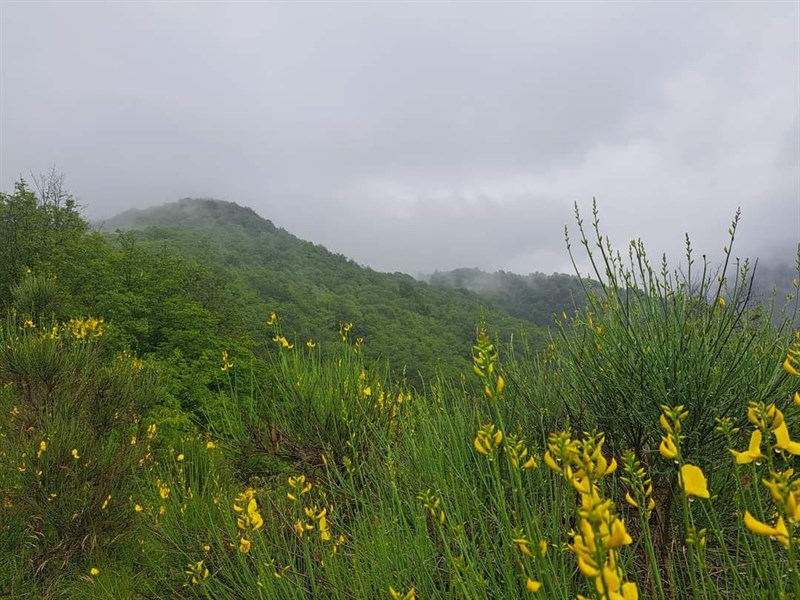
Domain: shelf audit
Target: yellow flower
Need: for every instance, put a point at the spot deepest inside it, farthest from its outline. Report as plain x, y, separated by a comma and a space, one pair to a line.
752, 453
196, 572
210, 445
244, 545
792, 365
487, 439
42, 449
163, 489
311, 344
105, 502
226, 364
94, 571
75, 454
133, 440
283, 342
298, 483
411, 594
667, 448
138, 507
180, 457
533, 586
693, 481
721, 302
779, 532
783, 441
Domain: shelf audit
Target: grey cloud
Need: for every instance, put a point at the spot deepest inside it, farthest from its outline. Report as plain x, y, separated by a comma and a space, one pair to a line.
419, 136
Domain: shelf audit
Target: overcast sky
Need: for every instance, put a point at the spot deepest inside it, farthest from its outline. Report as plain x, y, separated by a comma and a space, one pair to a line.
420, 136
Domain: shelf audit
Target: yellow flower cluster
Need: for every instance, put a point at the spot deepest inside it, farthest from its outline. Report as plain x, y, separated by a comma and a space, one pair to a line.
248, 518
226, 363
784, 485
768, 421
638, 483
196, 572
597, 545
344, 330
487, 440
85, 329
483, 365
517, 453
299, 487
691, 478
321, 518
432, 503
600, 531
282, 342
792, 362
311, 517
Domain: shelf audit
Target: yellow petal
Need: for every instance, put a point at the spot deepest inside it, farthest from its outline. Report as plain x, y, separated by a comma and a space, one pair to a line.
667, 447
779, 532
755, 444
790, 368
782, 439
664, 423
550, 462
587, 569
742, 458
630, 591
619, 536
533, 586
694, 481
629, 499
498, 437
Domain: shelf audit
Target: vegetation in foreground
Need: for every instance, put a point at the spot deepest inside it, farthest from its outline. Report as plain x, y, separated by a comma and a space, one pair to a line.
650, 451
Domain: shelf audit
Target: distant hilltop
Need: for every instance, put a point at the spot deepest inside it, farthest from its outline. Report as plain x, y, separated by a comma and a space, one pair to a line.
190, 213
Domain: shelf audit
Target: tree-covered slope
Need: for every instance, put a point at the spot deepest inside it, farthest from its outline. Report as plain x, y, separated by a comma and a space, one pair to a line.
411, 324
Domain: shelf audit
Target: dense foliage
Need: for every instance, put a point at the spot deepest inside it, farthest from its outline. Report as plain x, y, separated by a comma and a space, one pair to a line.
414, 325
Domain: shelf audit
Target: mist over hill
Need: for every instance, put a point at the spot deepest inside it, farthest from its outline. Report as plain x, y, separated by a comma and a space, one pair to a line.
535, 297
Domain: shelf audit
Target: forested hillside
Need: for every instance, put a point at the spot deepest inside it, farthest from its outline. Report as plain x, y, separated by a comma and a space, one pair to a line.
187, 279
413, 325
